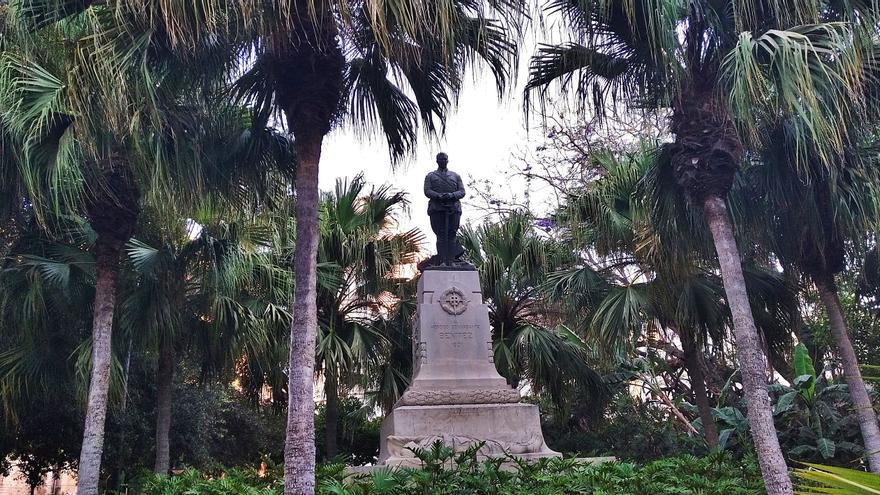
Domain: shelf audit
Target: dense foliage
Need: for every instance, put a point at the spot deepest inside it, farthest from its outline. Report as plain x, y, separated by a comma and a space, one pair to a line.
357, 434
444, 472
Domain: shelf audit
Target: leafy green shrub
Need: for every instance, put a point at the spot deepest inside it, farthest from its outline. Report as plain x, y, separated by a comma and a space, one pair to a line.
193, 482
447, 473
631, 429
357, 436
813, 419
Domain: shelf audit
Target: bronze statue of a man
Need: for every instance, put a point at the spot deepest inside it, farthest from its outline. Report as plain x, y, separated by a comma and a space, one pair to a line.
444, 189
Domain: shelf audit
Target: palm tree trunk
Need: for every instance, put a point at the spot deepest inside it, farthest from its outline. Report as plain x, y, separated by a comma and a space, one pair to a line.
312, 67
126, 370
299, 447
698, 387
113, 214
857, 389
107, 274
331, 415
749, 354
163, 406
117, 477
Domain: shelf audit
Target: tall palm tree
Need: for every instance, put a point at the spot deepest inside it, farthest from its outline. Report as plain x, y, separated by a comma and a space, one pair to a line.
99, 133
720, 70
210, 293
828, 204
362, 313
46, 297
47, 292
831, 214
62, 145
322, 62
614, 215
314, 61
656, 270
357, 256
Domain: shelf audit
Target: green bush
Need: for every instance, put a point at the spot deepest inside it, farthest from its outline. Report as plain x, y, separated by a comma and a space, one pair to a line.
813, 419
629, 428
357, 436
193, 482
445, 472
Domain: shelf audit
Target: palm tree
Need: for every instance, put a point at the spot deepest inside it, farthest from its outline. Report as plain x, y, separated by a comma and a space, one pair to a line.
530, 338
655, 269
321, 61
206, 289
98, 134
831, 214
46, 296
615, 217
391, 377
768, 59
210, 293
835, 211
357, 257
363, 307
201, 281
62, 145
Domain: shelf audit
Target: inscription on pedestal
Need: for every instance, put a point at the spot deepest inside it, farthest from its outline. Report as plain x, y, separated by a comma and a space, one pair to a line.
455, 336
456, 339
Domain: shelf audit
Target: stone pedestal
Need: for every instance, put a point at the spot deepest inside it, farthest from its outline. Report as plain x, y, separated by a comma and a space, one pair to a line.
456, 395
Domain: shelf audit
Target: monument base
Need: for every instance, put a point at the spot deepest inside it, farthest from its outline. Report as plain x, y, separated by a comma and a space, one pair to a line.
502, 429
456, 396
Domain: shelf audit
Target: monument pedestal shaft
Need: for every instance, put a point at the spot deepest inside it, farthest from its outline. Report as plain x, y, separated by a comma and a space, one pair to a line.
456, 395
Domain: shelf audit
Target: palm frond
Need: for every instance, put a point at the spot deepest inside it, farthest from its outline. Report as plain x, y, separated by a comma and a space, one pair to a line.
816, 479
809, 73
620, 317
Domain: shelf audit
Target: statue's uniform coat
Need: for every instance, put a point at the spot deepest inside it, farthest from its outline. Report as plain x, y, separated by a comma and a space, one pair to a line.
440, 182
444, 190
